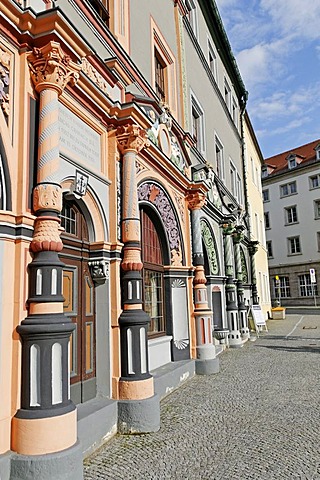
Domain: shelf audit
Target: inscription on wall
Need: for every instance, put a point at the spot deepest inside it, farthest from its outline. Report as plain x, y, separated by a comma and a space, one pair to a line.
78, 141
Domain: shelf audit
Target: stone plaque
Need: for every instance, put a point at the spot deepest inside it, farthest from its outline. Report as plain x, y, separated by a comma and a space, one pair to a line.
78, 141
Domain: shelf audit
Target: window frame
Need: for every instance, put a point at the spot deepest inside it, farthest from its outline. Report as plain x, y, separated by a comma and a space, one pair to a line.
316, 206
284, 286
196, 108
289, 211
212, 62
309, 288
289, 186
314, 177
220, 163
267, 220
265, 191
269, 248
294, 245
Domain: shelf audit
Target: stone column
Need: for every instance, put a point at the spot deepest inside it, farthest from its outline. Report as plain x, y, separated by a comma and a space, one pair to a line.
45, 427
242, 310
139, 407
253, 248
231, 293
207, 362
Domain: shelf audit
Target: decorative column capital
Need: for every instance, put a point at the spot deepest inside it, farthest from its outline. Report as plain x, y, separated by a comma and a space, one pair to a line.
131, 137
196, 200
228, 228
253, 247
238, 234
51, 68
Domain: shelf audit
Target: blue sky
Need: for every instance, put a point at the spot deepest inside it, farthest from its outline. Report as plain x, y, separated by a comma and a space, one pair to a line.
277, 47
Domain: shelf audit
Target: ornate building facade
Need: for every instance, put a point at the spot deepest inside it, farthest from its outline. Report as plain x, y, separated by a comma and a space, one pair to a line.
125, 250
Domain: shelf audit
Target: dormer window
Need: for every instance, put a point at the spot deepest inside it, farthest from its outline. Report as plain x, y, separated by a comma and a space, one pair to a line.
292, 163
317, 149
264, 172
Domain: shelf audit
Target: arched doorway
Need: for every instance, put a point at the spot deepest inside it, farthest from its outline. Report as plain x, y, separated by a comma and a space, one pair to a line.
79, 304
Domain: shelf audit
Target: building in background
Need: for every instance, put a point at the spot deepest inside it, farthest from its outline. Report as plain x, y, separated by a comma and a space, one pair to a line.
126, 257
254, 162
291, 194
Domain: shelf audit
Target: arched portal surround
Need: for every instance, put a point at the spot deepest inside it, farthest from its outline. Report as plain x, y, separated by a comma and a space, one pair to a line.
154, 199
154, 193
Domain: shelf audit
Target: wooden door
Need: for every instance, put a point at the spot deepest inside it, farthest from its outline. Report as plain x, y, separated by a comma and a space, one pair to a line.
79, 304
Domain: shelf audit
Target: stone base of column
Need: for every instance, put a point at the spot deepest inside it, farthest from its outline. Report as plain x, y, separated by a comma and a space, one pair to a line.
139, 416
245, 333
234, 339
64, 465
5, 460
207, 367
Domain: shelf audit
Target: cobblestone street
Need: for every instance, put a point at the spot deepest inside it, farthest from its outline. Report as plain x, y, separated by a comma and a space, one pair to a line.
258, 419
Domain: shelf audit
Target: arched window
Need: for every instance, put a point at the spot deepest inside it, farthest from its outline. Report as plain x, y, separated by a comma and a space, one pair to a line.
153, 291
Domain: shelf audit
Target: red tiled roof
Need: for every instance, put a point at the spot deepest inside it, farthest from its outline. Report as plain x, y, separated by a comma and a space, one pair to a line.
305, 152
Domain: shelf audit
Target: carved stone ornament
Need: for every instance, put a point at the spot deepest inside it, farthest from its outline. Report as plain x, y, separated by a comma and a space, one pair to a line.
46, 235
131, 137
51, 68
196, 200
4, 81
95, 76
157, 196
99, 270
47, 196
211, 247
228, 228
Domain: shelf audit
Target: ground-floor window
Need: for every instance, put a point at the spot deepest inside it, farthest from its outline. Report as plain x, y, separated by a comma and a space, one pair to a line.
282, 286
153, 291
306, 288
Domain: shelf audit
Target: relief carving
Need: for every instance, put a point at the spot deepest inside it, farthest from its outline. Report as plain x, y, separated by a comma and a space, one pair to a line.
4, 81
131, 137
47, 197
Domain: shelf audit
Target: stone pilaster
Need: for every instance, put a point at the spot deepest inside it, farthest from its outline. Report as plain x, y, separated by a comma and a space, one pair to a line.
253, 248
231, 291
139, 408
46, 409
207, 362
242, 311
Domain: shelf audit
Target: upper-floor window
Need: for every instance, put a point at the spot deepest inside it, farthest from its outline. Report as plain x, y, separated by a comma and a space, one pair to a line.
159, 75
317, 209
163, 69
264, 171
234, 112
318, 241
288, 189
193, 15
317, 149
233, 183
294, 246
239, 188
219, 158
269, 248
102, 9
197, 124
265, 195
291, 214
314, 181
212, 60
267, 220
227, 94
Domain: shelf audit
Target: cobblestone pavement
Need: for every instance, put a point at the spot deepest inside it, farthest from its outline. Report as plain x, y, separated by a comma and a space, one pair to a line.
258, 419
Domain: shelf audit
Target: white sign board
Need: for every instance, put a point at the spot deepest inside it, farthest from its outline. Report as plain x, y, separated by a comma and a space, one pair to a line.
258, 317
312, 275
